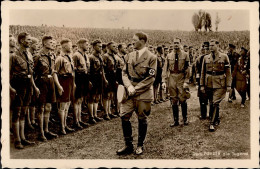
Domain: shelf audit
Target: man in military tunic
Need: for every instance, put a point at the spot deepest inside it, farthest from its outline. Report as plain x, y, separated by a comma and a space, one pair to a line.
98, 80
233, 57
110, 67
177, 66
81, 65
215, 80
22, 84
241, 73
65, 71
202, 96
138, 77
45, 76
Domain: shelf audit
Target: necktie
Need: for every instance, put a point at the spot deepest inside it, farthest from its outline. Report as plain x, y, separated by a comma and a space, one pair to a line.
137, 55
176, 62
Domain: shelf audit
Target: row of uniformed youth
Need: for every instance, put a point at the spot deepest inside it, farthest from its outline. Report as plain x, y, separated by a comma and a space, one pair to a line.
41, 76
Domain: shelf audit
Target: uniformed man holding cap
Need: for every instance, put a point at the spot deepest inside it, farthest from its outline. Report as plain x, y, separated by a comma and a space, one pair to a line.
138, 77
177, 66
215, 79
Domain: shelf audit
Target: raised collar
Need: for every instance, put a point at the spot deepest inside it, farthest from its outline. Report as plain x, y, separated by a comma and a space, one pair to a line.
141, 51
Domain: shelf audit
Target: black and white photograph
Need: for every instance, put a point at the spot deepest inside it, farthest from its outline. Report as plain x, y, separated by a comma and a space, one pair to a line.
130, 84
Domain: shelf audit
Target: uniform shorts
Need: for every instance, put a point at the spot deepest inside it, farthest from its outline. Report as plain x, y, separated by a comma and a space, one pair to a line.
67, 84
82, 85
23, 89
47, 90
96, 85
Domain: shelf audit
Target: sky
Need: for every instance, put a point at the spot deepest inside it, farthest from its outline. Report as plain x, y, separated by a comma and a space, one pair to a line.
134, 19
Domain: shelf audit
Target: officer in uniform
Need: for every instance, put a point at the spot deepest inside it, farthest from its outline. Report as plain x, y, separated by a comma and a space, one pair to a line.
202, 96
177, 65
110, 67
65, 70
215, 80
22, 84
81, 65
233, 57
34, 50
45, 76
158, 78
241, 73
98, 80
138, 77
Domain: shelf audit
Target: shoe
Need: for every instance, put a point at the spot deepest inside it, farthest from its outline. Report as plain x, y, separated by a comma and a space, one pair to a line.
217, 122
186, 122
139, 150
125, 150
92, 121
35, 125
156, 102
202, 118
160, 101
42, 138
112, 116
50, 135
27, 142
174, 124
211, 128
106, 117
69, 117
67, 128
18, 145
229, 100
63, 132
163, 100
152, 104
52, 120
83, 124
84, 113
98, 119
78, 126
242, 105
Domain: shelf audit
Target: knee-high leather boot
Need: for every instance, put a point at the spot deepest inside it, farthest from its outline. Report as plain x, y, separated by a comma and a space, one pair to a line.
127, 132
142, 130
184, 110
175, 110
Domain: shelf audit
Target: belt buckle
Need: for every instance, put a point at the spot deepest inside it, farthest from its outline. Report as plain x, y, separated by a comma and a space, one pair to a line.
49, 76
213, 73
29, 76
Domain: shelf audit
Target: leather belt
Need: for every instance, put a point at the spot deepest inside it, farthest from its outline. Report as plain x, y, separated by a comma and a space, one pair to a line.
46, 76
214, 73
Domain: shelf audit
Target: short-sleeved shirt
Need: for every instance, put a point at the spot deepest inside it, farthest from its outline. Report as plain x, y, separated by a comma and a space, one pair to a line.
110, 63
64, 65
96, 64
44, 64
21, 64
81, 62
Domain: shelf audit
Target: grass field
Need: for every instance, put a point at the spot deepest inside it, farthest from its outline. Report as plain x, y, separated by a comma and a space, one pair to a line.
231, 140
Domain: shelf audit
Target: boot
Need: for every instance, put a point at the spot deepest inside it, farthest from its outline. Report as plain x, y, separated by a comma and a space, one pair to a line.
212, 121
175, 110
127, 132
211, 109
217, 120
203, 109
142, 130
184, 113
